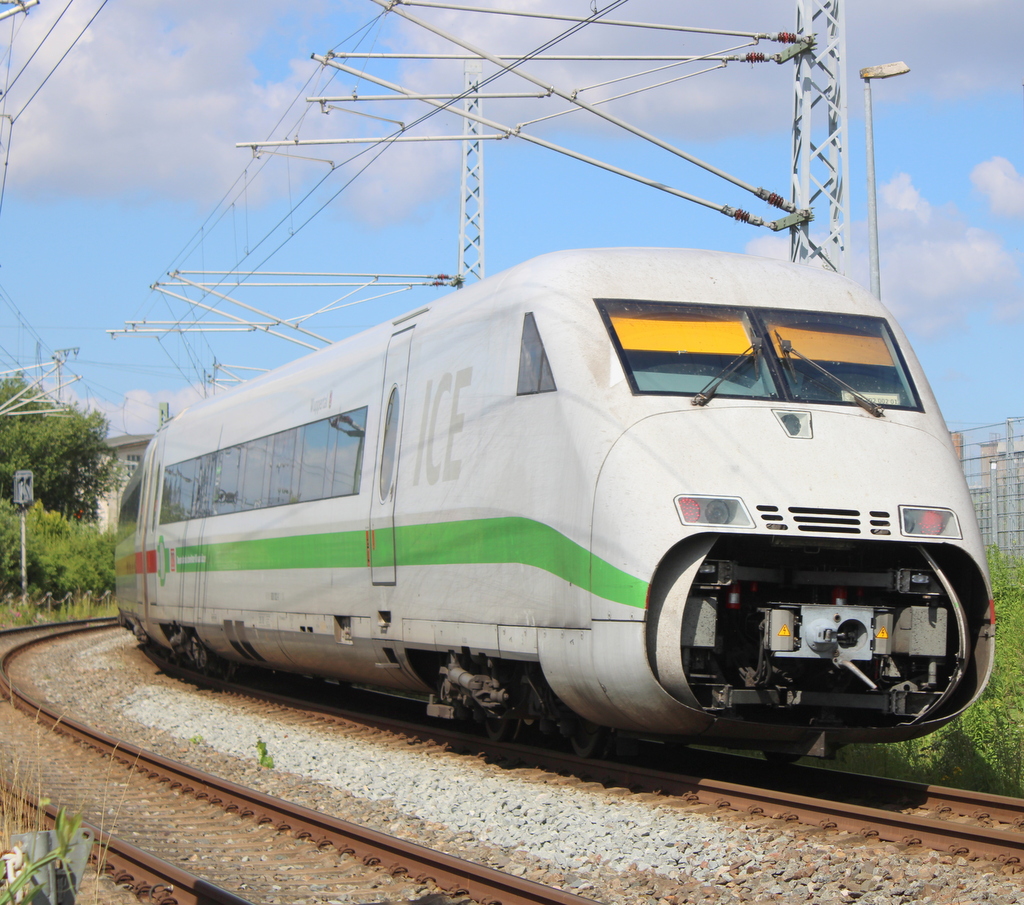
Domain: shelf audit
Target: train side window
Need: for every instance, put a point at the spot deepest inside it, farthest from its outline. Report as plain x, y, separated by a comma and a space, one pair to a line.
171, 509
315, 439
255, 475
187, 492
534, 369
282, 486
229, 479
128, 514
389, 446
205, 485
350, 429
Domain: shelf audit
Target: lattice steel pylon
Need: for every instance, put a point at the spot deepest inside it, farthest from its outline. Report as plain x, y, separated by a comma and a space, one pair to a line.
471, 207
820, 169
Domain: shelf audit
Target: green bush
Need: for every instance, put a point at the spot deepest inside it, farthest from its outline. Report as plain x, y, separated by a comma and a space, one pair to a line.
63, 556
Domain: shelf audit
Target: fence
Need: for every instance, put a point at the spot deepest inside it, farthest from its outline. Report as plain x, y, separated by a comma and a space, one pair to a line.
992, 458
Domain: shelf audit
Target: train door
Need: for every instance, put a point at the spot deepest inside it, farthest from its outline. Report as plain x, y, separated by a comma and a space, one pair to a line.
389, 441
150, 522
190, 559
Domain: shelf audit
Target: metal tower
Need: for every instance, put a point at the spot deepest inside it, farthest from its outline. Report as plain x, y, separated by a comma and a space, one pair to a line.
471, 208
820, 170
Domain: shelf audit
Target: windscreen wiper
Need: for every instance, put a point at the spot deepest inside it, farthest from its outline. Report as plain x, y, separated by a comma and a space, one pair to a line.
747, 355
786, 347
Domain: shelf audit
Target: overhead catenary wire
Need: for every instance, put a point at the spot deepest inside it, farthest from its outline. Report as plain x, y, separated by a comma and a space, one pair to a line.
236, 191
784, 37
614, 120
447, 103
293, 207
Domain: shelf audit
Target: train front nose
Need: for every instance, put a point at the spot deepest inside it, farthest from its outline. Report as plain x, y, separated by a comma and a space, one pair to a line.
803, 585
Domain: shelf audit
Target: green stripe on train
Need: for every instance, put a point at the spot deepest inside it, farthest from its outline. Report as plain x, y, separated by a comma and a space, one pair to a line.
494, 540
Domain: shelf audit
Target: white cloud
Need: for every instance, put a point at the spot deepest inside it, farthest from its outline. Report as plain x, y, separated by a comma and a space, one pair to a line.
151, 101
139, 410
935, 267
148, 104
769, 246
1000, 182
899, 194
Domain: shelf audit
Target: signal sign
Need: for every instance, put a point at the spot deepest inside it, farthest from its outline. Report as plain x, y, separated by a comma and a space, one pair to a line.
23, 488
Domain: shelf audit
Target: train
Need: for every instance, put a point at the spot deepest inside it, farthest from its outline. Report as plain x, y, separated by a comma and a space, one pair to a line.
621, 493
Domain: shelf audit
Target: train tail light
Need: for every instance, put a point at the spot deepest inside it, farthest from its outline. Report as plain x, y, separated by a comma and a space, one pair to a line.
727, 512
922, 522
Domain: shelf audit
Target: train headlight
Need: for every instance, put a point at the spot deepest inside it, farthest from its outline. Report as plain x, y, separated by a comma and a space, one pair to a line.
727, 512
921, 522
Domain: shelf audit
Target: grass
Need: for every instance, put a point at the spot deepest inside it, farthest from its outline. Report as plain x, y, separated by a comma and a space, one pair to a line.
983, 749
36, 611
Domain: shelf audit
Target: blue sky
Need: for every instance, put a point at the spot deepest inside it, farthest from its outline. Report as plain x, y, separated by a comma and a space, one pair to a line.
124, 166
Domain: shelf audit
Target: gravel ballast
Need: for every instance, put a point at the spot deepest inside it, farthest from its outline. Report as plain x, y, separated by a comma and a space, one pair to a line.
604, 844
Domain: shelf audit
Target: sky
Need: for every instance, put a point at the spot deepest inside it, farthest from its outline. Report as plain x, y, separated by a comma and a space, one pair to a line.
118, 133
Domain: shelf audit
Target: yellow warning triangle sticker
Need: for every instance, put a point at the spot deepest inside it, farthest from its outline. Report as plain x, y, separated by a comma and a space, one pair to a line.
882, 633
784, 632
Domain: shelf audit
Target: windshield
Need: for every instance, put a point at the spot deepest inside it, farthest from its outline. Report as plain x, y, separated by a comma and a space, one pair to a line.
774, 354
679, 349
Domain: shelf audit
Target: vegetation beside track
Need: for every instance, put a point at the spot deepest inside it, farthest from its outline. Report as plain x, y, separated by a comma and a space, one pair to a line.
983, 749
63, 555
38, 610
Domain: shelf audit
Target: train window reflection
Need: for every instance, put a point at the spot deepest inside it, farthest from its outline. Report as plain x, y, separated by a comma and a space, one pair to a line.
315, 438
389, 447
858, 352
315, 461
228, 479
256, 475
349, 431
679, 349
128, 513
710, 351
534, 369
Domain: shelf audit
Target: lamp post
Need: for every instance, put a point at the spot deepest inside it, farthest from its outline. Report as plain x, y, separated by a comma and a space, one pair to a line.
885, 71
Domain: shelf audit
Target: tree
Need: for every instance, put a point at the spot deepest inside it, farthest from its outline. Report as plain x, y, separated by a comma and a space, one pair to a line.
65, 450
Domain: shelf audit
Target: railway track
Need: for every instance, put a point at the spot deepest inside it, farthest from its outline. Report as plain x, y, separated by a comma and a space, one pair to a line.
961, 822
152, 816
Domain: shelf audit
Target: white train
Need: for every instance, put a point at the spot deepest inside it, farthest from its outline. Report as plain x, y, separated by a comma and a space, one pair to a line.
673, 493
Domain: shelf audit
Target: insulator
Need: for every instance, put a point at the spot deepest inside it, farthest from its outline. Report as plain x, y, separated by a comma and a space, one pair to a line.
786, 37
775, 199
755, 58
741, 215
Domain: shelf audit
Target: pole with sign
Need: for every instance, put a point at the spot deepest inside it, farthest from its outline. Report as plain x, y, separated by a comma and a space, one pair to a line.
23, 498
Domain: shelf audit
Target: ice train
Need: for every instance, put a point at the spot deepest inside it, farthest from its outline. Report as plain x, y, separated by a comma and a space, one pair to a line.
665, 492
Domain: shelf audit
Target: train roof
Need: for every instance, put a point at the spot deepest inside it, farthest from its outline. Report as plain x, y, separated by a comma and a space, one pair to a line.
577, 276
687, 274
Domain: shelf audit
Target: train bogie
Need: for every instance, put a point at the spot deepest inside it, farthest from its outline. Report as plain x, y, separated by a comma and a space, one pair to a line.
674, 493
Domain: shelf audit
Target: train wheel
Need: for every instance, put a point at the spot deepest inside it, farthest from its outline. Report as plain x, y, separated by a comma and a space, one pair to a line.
500, 730
198, 655
588, 739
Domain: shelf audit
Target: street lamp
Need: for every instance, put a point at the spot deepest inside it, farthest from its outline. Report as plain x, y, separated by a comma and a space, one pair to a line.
885, 71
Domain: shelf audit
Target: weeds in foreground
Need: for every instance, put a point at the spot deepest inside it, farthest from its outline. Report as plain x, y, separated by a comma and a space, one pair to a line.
36, 611
266, 761
18, 885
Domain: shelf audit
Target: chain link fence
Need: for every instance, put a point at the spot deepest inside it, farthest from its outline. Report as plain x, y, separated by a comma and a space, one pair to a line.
992, 458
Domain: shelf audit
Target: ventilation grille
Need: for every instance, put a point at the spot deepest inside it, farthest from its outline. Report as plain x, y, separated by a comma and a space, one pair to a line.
824, 521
